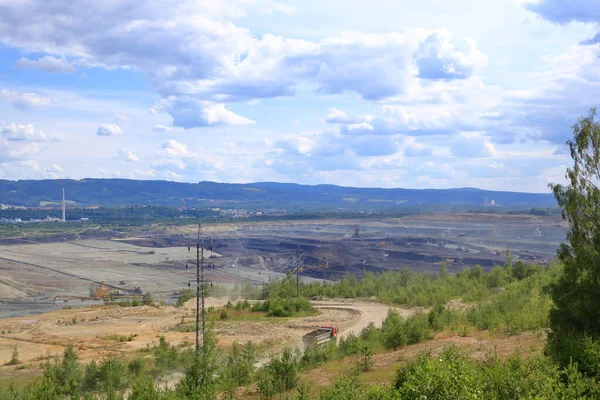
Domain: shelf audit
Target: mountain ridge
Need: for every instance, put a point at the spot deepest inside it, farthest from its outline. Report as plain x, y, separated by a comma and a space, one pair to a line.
126, 192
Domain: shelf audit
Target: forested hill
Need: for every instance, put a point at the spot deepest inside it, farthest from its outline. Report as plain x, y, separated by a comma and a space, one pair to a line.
121, 192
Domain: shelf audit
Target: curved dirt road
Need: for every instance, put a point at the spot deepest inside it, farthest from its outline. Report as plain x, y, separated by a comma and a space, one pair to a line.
368, 312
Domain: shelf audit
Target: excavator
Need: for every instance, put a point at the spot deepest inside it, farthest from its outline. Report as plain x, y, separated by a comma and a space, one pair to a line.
99, 292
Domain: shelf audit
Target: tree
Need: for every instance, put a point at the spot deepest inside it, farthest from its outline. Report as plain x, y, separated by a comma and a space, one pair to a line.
14, 359
575, 318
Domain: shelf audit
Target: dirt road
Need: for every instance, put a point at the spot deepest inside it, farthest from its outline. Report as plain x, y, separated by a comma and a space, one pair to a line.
367, 313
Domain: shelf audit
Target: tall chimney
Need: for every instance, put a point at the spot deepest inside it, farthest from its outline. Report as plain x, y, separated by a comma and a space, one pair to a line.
64, 216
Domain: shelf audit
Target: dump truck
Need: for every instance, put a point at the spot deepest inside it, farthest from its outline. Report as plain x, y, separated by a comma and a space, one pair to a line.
321, 334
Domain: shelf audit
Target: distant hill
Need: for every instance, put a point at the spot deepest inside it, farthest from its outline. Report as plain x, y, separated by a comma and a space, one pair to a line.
123, 192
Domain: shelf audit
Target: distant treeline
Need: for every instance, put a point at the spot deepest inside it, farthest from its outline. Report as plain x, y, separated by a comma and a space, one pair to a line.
140, 215
293, 197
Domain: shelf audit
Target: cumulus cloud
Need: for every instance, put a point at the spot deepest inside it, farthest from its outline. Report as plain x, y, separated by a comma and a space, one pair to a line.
562, 12
189, 113
21, 132
360, 128
19, 169
109, 130
440, 58
128, 155
173, 148
422, 119
122, 118
162, 128
472, 145
48, 64
24, 101
593, 40
338, 116
414, 149
15, 151
54, 168
207, 57
168, 164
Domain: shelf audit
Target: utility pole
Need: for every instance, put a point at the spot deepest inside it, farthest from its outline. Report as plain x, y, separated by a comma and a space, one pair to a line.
200, 296
297, 273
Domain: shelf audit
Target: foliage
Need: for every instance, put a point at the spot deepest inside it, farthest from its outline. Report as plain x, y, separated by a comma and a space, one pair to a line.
239, 366
575, 318
279, 375
283, 307
184, 296
14, 358
365, 362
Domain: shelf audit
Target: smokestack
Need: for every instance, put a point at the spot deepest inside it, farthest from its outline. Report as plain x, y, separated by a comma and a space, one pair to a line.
64, 216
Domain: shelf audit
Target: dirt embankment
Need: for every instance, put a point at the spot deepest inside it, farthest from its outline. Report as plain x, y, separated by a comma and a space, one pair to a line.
99, 331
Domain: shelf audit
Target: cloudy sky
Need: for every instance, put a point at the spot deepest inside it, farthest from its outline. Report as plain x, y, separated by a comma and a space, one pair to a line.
377, 93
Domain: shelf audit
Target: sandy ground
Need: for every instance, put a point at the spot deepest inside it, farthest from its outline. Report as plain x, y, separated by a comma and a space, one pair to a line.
94, 331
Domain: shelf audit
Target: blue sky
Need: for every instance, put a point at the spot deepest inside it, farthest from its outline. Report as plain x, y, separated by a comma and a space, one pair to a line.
435, 93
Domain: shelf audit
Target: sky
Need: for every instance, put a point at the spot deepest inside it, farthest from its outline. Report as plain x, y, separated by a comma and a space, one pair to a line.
427, 94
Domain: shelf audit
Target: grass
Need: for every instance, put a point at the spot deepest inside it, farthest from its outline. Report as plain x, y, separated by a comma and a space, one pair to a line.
238, 315
120, 338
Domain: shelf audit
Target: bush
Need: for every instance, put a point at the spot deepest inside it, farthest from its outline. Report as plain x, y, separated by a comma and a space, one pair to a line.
184, 296
147, 299
223, 315
570, 346
279, 375
136, 366
165, 355
239, 367
14, 359
278, 307
397, 332
365, 362
452, 375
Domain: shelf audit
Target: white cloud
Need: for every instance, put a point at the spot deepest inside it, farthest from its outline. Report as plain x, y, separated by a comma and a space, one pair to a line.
19, 169
109, 130
472, 145
128, 155
173, 148
54, 168
21, 132
216, 62
412, 148
161, 128
360, 128
48, 64
338, 116
189, 113
441, 58
122, 118
168, 164
24, 101
11, 151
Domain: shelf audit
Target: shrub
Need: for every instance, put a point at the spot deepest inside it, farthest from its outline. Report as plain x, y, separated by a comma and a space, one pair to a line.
14, 359
223, 315
365, 362
147, 299
452, 375
184, 296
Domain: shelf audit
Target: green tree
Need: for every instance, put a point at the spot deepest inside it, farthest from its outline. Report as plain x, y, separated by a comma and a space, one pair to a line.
14, 359
200, 376
575, 318
68, 373
147, 299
